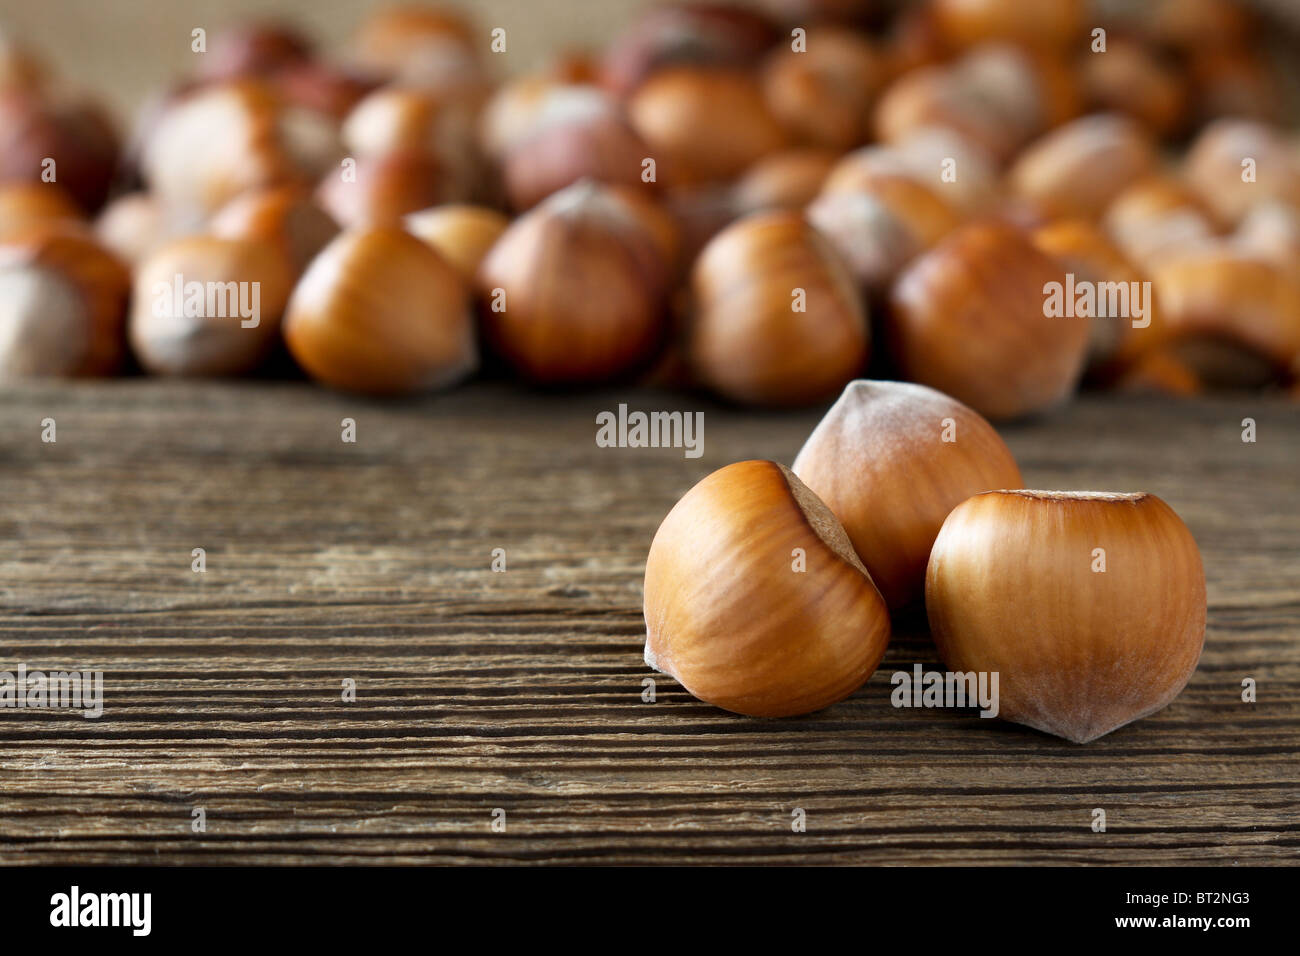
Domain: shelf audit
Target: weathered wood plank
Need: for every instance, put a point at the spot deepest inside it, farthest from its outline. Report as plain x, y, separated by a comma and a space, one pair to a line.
522, 690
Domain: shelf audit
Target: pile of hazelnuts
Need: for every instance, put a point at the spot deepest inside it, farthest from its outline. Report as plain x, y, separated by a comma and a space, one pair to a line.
764, 200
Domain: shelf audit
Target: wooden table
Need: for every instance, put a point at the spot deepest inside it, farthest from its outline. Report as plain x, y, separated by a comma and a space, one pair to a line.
522, 691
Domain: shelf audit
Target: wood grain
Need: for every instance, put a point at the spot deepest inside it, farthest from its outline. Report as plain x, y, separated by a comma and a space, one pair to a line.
522, 690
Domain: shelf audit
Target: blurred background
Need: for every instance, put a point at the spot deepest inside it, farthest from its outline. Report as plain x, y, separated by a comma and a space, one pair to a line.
1114, 158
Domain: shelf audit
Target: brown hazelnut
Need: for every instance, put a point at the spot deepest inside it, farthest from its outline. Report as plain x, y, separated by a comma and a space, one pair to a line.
380, 312
37, 129
1077, 169
204, 306
703, 124
968, 318
62, 304
879, 228
461, 234
381, 189
285, 217
576, 288
755, 600
822, 93
789, 179
891, 460
685, 34
777, 318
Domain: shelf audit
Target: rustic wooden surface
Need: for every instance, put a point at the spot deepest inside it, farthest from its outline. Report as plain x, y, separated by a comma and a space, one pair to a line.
523, 690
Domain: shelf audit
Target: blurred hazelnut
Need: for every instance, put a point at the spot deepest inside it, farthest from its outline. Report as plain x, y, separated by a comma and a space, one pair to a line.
939, 159
37, 129
575, 290
384, 188
1085, 252
1135, 78
253, 49
285, 217
433, 47
968, 318
62, 304
881, 226
777, 319
603, 148
461, 234
822, 94
1031, 23
1157, 215
30, 204
204, 306
1234, 318
134, 225
1235, 163
703, 124
380, 312
212, 143
1078, 168
684, 34
789, 179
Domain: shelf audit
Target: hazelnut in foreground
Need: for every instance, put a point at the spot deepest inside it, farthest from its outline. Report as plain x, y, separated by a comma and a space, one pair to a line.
755, 600
891, 460
1089, 605
380, 312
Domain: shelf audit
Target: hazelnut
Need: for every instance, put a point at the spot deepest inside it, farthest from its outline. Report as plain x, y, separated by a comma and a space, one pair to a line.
1078, 168
777, 318
134, 225
575, 290
380, 312
1214, 168
703, 125
32, 204
433, 47
413, 121
924, 154
822, 94
74, 133
461, 234
789, 179
1089, 606
204, 306
1155, 216
603, 147
967, 318
754, 599
62, 304
381, 189
285, 217
212, 143
891, 460
1085, 252
691, 34
1232, 316
1055, 26
880, 227
1137, 79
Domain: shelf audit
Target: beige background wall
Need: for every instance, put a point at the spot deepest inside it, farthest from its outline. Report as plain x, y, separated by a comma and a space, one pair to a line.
128, 48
